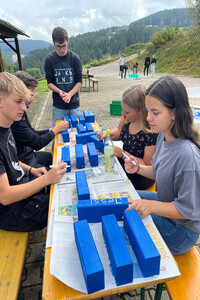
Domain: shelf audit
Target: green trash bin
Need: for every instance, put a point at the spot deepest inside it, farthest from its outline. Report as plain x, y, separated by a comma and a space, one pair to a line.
115, 108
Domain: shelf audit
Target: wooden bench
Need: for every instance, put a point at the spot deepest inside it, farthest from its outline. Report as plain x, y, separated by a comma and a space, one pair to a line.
187, 285
12, 256
94, 82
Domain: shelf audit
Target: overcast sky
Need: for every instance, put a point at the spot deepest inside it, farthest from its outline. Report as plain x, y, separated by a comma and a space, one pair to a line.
37, 18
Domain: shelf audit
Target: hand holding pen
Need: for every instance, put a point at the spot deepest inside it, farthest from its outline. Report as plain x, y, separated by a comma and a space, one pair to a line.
131, 166
100, 134
127, 157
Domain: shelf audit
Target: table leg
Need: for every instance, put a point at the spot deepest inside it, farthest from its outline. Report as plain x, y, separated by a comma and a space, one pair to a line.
89, 83
142, 293
159, 290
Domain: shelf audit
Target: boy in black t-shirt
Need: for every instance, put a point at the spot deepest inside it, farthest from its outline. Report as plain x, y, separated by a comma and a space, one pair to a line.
23, 203
29, 141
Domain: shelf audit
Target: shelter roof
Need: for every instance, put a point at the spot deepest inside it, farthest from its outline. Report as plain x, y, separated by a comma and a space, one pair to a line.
7, 30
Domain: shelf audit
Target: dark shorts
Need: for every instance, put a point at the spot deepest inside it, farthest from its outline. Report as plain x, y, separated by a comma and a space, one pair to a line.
27, 215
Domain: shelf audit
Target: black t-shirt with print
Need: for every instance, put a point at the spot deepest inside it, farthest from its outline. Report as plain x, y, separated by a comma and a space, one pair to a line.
9, 162
136, 143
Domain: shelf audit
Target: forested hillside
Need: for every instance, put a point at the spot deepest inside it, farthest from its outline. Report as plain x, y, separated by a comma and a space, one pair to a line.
177, 52
111, 41
94, 45
168, 17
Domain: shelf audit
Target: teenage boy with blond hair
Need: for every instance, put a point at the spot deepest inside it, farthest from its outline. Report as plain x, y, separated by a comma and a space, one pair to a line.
23, 203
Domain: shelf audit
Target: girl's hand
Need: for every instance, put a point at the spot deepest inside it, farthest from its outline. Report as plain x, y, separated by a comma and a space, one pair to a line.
144, 207
129, 166
37, 172
100, 136
117, 151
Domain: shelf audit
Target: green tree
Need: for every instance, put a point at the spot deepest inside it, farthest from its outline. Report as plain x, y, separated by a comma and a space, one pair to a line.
194, 11
34, 72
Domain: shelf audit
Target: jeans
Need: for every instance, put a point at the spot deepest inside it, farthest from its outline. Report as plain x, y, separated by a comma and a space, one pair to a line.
153, 69
178, 238
59, 113
146, 68
121, 70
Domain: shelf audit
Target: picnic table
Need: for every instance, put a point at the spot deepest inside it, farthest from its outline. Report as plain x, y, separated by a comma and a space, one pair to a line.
89, 82
54, 288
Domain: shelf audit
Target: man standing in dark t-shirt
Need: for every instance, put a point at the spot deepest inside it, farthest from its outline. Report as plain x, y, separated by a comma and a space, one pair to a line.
147, 64
63, 71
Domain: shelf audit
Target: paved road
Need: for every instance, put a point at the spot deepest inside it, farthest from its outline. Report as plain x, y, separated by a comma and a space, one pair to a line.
110, 69
110, 88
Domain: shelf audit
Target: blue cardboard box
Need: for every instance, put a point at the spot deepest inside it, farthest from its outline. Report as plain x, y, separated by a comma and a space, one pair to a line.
121, 262
66, 118
80, 160
82, 185
91, 264
84, 138
92, 154
81, 119
98, 144
65, 135
80, 128
144, 248
65, 156
89, 116
93, 210
89, 127
74, 121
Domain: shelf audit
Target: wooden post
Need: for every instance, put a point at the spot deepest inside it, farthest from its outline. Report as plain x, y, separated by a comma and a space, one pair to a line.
18, 54
1, 62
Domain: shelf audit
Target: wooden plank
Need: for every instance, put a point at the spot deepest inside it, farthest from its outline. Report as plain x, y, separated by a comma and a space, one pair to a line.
187, 285
94, 79
12, 255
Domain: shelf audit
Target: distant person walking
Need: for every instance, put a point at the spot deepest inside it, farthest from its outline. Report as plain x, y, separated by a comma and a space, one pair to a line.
121, 64
135, 66
147, 64
153, 65
63, 71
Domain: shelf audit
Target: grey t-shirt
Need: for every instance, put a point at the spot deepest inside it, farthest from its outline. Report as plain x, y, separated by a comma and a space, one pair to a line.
177, 168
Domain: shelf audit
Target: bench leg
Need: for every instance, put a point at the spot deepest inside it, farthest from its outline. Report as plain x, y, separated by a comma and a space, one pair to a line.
158, 293
20, 297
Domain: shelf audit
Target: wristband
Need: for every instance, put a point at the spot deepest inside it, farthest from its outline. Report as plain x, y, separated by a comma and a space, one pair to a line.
29, 171
138, 169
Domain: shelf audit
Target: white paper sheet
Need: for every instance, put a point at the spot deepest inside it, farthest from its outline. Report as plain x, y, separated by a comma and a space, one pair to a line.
65, 264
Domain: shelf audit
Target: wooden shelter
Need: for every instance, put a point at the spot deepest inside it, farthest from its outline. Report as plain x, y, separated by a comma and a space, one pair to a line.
8, 32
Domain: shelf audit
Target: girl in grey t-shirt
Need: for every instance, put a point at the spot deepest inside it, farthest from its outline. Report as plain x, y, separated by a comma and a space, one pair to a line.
175, 208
